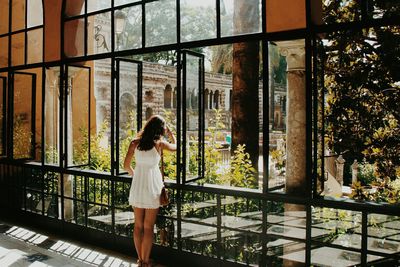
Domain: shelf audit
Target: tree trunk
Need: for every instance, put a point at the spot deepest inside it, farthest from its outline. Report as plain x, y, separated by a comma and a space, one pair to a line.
245, 75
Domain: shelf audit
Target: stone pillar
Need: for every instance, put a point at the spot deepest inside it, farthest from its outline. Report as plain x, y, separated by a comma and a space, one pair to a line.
354, 172
296, 116
339, 169
296, 183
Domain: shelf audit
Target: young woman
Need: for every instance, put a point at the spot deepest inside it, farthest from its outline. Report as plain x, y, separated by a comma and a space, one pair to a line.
144, 195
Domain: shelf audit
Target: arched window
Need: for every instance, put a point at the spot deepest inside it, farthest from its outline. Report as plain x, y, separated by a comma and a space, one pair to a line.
206, 96
168, 96
126, 107
210, 100
149, 112
216, 99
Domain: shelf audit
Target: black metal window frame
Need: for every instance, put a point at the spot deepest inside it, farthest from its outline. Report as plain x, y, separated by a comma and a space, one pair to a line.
201, 112
65, 111
139, 103
11, 121
3, 82
264, 36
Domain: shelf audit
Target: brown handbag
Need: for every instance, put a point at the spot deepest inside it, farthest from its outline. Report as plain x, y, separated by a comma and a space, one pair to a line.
164, 198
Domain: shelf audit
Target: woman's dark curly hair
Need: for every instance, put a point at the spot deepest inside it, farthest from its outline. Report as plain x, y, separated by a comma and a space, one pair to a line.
151, 132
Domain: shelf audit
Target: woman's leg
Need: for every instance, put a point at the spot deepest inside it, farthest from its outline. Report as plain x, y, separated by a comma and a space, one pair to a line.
138, 231
148, 229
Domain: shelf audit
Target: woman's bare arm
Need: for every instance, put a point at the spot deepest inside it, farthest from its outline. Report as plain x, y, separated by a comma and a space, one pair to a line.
129, 156
167, 145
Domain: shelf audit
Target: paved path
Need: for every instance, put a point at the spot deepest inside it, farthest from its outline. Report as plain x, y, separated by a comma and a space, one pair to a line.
20, 247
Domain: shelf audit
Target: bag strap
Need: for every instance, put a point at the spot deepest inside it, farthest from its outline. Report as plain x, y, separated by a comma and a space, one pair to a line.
162, 164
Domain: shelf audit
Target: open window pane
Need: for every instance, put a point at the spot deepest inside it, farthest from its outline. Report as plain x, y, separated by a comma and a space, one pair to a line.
129, 87
193, 87
77, 107
52, 116
23, 115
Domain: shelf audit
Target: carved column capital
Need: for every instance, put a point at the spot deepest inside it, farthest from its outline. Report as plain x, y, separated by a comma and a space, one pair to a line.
294, 51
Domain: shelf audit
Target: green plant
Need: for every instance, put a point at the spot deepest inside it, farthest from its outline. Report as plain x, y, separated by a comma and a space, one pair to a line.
279, 157
22, 138
241, 172
366, 173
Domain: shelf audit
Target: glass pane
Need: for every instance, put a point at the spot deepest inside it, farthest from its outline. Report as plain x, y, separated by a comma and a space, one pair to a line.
341, 11
198, 20
99, 33
35, 46
293, 12
3, 52
287, 220
199, 239
360, 114
4, 17
74, 7
18, 15
385, 9
193, 141
160, 22
277, 118
240, 17
339, 227
18, 49
128, 90
383, 233
130, 36
78, 115
100, 117
35, 13
287, 118
74, 39
52, 116
94, 5
2, 113
22, 116
123, 2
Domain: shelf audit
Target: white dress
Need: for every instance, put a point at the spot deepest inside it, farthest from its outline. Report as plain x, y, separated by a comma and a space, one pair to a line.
147, 180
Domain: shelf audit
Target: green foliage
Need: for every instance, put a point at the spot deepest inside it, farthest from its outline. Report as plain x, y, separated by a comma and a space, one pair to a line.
279, 157
22, 138
242, 173
100, 156
366, 173
362, 94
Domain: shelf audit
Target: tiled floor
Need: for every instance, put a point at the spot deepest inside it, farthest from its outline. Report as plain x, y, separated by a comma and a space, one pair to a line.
20, 247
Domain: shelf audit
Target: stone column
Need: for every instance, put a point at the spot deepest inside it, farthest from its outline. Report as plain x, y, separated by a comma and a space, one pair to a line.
339, 169
354, 172
296, 184
296, 116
